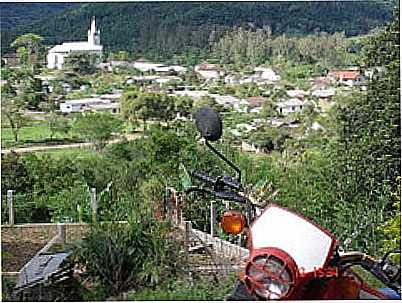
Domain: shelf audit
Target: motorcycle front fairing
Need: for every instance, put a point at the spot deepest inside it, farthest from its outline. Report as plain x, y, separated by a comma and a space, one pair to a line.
290, 259
286, 251
308, 244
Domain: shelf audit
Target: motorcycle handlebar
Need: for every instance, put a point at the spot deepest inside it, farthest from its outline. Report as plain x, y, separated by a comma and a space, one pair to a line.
216, 181
225, 195
204, 177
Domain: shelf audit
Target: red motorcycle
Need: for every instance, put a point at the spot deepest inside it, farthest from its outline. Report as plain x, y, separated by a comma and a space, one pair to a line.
291, 257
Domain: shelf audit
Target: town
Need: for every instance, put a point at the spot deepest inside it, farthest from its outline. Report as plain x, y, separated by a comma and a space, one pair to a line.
259, 93
141, 152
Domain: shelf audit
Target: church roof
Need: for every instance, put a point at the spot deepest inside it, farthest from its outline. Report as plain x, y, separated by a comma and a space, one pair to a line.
75, 46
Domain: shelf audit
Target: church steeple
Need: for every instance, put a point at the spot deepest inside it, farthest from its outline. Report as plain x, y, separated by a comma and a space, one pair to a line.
93, 34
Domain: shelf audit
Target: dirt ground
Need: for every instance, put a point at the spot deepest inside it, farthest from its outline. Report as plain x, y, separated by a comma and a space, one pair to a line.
14, 255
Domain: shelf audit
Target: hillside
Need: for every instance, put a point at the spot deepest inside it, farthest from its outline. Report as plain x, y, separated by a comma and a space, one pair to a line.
17, 14
164, 29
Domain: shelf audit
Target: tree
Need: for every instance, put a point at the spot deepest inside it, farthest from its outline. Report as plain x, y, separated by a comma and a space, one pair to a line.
183, 106
128, 105
12, 107
28, 47
58, 124
96, 127
368, 150
81, 62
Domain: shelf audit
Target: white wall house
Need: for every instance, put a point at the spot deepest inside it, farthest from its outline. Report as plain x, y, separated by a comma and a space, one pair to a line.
57, 54
290, 106
208, 71
267, 74
90, 104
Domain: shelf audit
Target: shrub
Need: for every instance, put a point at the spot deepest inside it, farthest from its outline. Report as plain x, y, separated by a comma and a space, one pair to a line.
133, 255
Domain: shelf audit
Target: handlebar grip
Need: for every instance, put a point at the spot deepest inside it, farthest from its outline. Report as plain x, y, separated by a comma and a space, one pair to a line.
232, 182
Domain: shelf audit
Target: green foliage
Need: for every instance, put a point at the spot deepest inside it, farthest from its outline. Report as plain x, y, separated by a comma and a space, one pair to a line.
130, 256
186, 30
70, 204
392, 227
242, 47
367, 152
81, 62
96, 127
58, 124
12, 108
202, 289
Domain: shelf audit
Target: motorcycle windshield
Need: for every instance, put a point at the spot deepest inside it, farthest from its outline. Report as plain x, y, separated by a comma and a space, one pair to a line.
306, 243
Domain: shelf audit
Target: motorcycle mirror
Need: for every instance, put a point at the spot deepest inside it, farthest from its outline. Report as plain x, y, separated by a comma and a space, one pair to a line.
209, 123
233, 222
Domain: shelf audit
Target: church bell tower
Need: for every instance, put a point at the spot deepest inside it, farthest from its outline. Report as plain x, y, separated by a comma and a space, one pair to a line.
93, 34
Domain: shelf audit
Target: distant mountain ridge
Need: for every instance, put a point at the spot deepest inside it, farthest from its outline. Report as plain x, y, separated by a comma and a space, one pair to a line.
17, 14
166, 28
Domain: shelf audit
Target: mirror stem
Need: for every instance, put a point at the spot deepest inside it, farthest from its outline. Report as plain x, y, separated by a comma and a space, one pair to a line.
224, 159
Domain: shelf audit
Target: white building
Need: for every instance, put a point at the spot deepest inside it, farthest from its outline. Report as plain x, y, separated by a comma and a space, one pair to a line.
208, 71
267, 74
297, 93
91, 104
290, 106
58, 53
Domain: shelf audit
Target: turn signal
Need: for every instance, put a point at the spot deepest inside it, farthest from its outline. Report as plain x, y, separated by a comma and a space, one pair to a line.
233, 222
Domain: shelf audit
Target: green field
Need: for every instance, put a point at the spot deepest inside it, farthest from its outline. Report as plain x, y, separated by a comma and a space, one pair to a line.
37, 132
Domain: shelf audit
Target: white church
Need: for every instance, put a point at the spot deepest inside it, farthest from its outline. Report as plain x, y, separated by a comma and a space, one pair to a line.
56, 55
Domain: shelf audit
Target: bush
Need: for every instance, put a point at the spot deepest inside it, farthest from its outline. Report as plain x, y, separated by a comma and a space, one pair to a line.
200, 289
133, 255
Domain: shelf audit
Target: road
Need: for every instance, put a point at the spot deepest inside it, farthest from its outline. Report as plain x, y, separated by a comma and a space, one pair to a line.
62, 146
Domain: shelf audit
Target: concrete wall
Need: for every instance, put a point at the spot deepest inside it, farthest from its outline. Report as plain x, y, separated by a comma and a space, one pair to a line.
41, 232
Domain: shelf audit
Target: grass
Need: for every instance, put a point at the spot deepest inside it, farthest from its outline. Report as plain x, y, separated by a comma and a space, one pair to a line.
77, 153
7, 285
36, 132
201, 289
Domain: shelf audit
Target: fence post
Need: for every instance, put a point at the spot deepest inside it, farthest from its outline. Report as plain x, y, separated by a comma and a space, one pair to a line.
212, 211
61, 231
187, 237
94, 204
10, 206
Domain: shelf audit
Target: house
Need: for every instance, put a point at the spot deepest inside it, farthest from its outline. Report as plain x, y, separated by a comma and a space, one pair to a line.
10, 60
142, 80
145, 66
113, 108
349, 78
57, 54
232, 79
208, 71
255, 104
267, 74
290, 106
168, 79
225, 100
195, 94
89, 104
255, 101
320, 82
324, 94
297, 93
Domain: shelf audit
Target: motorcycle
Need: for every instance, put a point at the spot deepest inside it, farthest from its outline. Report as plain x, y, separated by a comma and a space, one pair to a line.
290, 256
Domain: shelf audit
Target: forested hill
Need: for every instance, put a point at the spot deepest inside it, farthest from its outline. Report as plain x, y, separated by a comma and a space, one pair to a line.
164, 29
17, 14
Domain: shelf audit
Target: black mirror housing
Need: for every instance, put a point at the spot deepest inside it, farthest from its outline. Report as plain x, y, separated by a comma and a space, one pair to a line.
209, 123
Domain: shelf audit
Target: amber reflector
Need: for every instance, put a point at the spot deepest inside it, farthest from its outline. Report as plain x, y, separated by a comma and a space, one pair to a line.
233, 222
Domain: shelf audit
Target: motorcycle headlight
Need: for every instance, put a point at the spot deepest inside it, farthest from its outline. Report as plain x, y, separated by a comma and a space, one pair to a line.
269, 277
